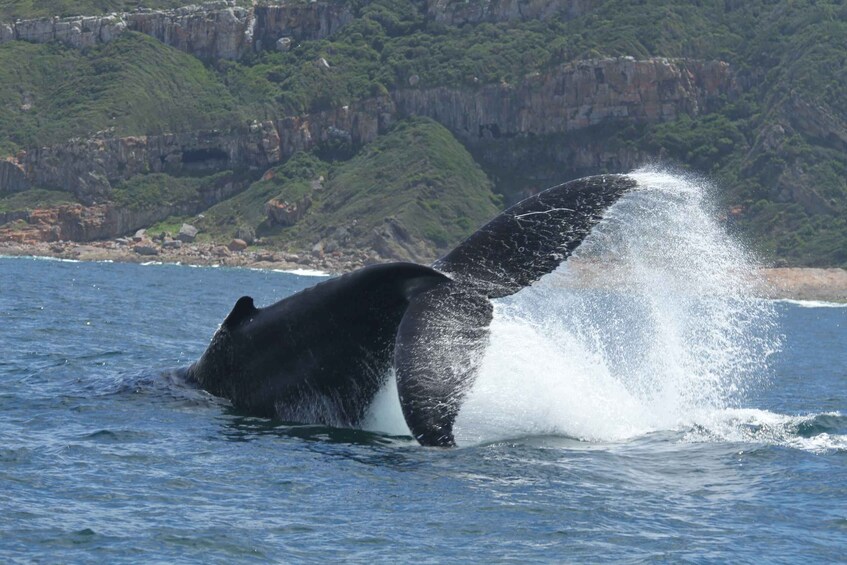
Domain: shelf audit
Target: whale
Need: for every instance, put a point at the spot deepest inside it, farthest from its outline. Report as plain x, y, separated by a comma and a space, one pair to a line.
320, 356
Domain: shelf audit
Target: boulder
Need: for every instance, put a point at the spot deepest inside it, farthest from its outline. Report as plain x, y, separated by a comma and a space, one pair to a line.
221, 251
247, 234
267, 257
282, 213
187, 233
237, 245
146, 248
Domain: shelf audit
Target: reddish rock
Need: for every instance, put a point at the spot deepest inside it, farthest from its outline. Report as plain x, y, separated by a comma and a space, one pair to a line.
237, 245
282, 213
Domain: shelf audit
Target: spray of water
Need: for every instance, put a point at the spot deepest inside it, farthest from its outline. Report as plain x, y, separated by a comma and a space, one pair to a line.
651, 325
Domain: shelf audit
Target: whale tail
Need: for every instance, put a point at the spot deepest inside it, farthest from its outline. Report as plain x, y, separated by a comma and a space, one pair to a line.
444, 331
533, 237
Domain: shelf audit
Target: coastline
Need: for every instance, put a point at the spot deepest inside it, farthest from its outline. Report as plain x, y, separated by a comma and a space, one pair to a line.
783, 283
194, 254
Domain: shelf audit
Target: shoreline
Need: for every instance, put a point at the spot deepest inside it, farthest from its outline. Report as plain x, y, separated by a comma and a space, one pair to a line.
201, 254
777, 283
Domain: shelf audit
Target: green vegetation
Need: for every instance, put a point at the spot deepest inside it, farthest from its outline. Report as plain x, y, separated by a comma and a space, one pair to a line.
161, 190
34, 198
288, 182
134, 85
418, 174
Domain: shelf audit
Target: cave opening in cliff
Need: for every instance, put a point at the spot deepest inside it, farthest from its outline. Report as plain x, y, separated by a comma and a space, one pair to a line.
211, 158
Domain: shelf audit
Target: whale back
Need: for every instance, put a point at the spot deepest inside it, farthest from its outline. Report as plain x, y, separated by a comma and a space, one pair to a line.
318, 356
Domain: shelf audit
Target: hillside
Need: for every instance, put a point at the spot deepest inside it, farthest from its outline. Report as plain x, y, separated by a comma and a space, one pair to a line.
537, 92
134, 85
412, 193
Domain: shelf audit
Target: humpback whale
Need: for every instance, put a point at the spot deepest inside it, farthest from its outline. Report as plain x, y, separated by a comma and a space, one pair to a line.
321, 355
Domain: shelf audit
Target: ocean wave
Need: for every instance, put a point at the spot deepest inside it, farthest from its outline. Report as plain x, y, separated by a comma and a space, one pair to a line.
812, 303
823, 432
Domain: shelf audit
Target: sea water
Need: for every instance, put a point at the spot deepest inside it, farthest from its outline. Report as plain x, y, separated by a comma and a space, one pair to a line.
651, 409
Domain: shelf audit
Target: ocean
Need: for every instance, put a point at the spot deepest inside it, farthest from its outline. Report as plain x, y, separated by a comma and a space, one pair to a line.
668, 415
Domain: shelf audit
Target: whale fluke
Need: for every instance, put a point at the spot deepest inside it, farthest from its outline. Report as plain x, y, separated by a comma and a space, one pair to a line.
439, 345
534, 236
444, 332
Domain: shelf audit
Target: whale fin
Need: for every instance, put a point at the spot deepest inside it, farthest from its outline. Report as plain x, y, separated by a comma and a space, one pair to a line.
243, 310
437, 351
533, 237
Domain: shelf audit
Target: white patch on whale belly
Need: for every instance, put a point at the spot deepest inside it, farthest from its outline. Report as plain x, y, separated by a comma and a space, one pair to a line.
385, 415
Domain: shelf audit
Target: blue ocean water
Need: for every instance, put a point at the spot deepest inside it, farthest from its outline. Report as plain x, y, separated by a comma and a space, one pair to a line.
105, 456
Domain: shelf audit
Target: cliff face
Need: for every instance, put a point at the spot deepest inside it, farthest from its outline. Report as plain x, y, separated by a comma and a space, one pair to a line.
574, 96
315, 20
222, 30
88, 167
215, 30
211, 31
569, 98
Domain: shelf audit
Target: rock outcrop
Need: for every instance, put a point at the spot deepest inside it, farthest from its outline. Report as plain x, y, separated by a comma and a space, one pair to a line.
214, 30
285, 214
13, 177
79, 32
223, 30
76, 222
296, 21
88, 167
211, 31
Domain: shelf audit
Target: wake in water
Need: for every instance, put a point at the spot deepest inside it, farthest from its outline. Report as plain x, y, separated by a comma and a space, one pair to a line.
652, 325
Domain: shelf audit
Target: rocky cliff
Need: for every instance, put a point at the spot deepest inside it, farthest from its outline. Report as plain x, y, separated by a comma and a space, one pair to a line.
214, 30
223, 30
569, 98
574, 96
88, 167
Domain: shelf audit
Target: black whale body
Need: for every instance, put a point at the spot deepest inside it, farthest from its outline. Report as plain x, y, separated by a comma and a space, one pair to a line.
321, 355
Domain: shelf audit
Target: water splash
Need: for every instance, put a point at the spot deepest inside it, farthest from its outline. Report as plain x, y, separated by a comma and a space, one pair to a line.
651, 325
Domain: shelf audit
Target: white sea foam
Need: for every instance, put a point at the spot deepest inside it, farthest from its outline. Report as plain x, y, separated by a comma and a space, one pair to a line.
301, 272
813, 303
765, 427
40, 258
667, 328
